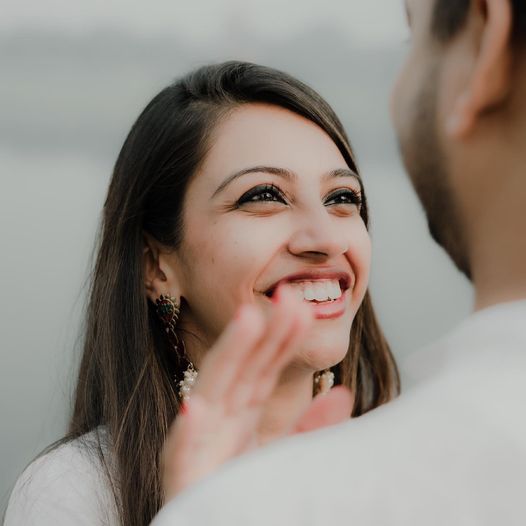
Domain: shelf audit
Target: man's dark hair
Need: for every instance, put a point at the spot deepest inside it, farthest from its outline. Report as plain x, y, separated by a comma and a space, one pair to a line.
449, 17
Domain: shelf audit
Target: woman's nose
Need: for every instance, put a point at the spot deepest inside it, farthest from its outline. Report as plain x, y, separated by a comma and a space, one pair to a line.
319, 235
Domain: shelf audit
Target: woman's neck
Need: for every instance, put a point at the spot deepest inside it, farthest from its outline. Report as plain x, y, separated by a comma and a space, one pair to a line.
290, 400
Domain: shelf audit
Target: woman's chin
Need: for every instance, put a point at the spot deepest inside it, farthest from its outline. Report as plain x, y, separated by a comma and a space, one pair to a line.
322, 353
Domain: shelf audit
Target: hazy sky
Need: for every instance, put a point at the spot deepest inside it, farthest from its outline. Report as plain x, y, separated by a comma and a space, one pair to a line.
369, 22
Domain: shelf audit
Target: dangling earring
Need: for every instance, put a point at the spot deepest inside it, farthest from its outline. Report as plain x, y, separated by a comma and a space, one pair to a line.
168, 311
187, 383
323, 382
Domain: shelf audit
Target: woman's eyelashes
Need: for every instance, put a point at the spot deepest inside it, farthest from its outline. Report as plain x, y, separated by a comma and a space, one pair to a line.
265, 193
270, 193
344, 196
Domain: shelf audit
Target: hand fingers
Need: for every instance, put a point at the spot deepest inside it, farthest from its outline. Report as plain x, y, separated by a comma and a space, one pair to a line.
266, 361
181, 462
333, 408
250, 352
221, 364
301, 322
270, 375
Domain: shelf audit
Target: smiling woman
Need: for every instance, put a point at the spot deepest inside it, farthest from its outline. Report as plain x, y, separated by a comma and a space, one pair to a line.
232, 274
290, 213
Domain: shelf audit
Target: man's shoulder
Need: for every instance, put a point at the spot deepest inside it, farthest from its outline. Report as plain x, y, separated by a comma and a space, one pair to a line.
488, 343
452, 445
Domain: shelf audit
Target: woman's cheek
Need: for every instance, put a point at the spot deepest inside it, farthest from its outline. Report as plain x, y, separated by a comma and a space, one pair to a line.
360, 258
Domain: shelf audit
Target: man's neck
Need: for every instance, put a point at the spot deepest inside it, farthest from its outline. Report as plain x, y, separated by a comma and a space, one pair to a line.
498, 256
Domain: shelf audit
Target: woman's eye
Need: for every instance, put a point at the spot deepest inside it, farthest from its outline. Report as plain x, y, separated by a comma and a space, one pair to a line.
345, 197
264, 193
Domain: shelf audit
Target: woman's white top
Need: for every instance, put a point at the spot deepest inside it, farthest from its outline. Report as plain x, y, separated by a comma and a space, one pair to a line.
67, 486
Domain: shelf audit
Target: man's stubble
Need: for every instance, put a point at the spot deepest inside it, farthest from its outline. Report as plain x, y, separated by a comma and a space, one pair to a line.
427, 166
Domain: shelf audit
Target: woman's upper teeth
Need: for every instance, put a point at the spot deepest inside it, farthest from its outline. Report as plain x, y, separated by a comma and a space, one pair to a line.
319, 290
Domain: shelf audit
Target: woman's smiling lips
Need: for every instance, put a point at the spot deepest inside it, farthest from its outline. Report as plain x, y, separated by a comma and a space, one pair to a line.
324, 289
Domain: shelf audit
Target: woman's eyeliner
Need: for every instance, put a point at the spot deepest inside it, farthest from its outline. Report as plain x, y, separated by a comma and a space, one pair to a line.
262, 193
269, 193
344, 196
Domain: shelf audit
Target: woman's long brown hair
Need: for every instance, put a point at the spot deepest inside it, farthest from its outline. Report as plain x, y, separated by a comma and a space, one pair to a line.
126, 376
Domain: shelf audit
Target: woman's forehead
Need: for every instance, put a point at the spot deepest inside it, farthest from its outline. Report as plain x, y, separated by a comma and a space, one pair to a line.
267, 135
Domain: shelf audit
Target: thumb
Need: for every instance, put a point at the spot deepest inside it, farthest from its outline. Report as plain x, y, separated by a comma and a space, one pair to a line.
326, 410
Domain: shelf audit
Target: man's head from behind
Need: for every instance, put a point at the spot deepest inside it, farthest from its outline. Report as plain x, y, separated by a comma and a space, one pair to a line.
458, 109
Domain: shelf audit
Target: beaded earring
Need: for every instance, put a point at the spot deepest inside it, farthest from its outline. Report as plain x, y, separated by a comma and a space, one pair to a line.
168, 311
323, 382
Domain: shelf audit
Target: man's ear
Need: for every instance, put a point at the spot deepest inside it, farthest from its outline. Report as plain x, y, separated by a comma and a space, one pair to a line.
490, 79
159, 270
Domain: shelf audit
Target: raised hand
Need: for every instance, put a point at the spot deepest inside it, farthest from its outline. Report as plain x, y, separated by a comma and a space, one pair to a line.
236, 379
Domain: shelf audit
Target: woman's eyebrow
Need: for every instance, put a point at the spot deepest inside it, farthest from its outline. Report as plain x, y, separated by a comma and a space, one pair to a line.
281, 172
342, 172
345, 172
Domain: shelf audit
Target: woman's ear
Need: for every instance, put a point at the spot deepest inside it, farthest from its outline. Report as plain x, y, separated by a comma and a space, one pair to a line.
159, 270
490, 78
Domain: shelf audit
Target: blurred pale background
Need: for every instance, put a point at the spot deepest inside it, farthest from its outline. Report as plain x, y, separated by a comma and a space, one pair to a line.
74, 75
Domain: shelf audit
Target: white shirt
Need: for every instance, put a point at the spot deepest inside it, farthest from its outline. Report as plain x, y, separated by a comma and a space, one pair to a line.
449, 451
66, 487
